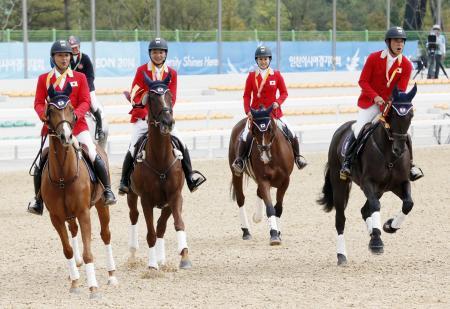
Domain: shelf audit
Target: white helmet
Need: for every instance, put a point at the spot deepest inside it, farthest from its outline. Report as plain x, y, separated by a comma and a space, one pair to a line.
437, 27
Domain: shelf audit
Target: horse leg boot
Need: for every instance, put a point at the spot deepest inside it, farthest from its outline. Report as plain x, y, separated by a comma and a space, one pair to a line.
127, 167
347, 164
193, 178
99, 134
242, 153
416, 172
300, 161
102, 174
37, 205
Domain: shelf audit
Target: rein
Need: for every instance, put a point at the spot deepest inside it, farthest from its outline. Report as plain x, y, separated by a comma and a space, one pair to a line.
62, 183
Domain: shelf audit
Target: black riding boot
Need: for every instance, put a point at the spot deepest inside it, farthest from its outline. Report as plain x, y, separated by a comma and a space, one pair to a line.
99, 134
102, 174
347, 164
416, 172
37, 205
193, 178
127, 167
298, 158
242, 153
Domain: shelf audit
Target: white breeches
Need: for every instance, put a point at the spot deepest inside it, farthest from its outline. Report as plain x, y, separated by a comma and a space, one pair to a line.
140, 127
95, 105
365, 115
279, 121
83, 138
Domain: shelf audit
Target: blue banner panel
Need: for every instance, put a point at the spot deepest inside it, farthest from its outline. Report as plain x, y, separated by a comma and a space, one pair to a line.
122, 58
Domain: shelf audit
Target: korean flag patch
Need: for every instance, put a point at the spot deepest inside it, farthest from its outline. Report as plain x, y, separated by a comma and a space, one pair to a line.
272, 83
74, 84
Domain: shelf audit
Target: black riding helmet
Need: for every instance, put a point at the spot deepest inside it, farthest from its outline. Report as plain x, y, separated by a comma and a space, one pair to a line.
60, 46
263, 51
395, 33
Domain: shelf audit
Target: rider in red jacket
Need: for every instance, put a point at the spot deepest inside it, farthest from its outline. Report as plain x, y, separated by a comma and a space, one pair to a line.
261, 88
382, 71
61, 76
156, 69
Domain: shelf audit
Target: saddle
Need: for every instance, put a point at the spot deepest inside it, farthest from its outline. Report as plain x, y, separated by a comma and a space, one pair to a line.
361, 140
139, 148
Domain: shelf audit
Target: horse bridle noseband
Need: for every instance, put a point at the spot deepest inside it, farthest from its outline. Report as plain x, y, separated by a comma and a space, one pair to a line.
52, 131
266, 148
156, 119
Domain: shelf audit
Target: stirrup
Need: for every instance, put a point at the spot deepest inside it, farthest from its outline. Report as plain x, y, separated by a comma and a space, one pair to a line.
238, 168
300, 161
123, 189
415, 173
344, 173
35, 207
111, 200
197, 179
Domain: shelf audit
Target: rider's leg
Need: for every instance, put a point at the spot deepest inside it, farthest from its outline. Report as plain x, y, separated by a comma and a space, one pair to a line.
299, 160
100, 167
243, 148
36, 206
415, 172
438, 61
193, 178
139, 128
97, 113
365, 115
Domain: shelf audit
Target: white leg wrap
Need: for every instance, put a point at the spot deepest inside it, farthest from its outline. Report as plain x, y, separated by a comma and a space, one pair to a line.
182, 241
273, 223
278, 219
376, 220
133, 241
369, 225
257, 216
73, 270
398, 220
243, 217
76, 250
340, 245
90, 275
160, 251
152, 258
110, 265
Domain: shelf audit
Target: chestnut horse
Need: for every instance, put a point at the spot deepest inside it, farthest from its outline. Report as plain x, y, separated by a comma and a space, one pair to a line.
270, 165
158, 179
69, 193
382, 166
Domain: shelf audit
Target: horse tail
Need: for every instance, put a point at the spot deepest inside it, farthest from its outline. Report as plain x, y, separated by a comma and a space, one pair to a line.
326, 198
232, 191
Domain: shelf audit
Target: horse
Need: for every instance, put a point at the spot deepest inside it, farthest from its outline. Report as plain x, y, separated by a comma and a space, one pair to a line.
158, 179
381, 165
270, 164
69, 193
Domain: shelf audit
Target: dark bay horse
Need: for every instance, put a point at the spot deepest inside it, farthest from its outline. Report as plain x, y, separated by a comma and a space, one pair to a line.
69, 193
383, 166
158, 179
270, 165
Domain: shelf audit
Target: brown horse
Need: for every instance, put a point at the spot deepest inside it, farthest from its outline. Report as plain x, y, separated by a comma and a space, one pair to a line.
270, 164
68, 192
158, 179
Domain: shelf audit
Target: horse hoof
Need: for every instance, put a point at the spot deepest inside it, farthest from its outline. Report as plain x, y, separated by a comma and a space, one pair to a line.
185, 264
95, 296
275, 241
387, 227
376, 246
113, 281
246, 234
256, 218
342, 260
75, 291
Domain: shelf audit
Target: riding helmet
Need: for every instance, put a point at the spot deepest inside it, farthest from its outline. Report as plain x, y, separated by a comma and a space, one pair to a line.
263, 51
158, 43
74, 41
60, 46
395, 33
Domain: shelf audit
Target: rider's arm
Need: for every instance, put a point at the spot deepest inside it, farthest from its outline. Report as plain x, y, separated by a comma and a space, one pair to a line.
89, 72
248, 93
40, 97
366, 76
137, 88
405, 76
281, 88
84, 99
173, 86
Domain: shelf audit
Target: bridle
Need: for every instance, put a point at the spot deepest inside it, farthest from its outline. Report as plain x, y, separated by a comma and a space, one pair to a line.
267, 147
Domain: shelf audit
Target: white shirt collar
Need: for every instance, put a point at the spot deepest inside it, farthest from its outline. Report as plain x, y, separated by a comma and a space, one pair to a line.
264, 72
